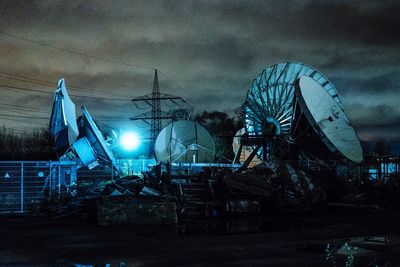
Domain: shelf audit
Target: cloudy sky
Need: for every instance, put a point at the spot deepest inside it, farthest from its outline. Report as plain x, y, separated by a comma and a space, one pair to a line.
208, 52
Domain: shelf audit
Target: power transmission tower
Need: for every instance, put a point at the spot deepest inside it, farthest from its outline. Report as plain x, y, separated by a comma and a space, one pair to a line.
157, 115
155, 112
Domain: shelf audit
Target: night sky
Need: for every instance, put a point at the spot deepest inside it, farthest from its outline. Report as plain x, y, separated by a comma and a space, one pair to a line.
208, 52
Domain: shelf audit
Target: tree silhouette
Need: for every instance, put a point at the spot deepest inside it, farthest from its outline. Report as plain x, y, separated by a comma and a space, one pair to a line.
222, 128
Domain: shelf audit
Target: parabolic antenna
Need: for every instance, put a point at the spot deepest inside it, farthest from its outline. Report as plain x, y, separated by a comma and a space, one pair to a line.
184, 142
91, 144
328, 119
84, 142
245, 150
63, 126
270, 102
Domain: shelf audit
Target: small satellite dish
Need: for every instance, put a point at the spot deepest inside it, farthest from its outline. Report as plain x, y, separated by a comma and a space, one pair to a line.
328, 119
94, 144
245, 150
63, 126
184, 142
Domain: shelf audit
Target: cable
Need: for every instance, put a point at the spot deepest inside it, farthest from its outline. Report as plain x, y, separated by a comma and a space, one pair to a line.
48, 83
19, 120
51, 93
25, 117
171, 81
19, 112
25, 108
27, 79
99, 118
89, 56
75, 52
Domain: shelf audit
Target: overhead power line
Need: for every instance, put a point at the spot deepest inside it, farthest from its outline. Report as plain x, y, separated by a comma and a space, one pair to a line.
26, 79
19, 117
51, 93
25, 117
25, 113
47, 83
88, 56
24, 108
75, 52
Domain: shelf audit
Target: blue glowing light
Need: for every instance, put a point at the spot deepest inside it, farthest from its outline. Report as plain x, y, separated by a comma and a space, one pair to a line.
129, 141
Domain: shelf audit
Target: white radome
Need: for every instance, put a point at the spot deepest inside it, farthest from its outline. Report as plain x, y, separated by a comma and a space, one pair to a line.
184, 142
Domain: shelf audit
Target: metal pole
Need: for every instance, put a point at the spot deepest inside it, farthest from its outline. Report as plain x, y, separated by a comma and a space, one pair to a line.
22, 186
50, 179
59, 177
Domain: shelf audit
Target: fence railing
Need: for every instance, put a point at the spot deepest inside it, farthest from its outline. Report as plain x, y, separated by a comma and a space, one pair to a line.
24, 184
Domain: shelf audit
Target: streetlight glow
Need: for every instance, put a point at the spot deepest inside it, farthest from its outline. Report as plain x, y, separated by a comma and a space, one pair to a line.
129, 141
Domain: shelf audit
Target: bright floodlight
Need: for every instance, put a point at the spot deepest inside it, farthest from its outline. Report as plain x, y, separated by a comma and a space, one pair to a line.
129, 141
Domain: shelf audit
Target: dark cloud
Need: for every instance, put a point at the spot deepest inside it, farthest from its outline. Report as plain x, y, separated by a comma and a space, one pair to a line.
375, 84
362, 21
207, 51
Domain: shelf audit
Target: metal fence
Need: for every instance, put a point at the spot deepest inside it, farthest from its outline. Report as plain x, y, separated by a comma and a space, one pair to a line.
134, 166
24, 184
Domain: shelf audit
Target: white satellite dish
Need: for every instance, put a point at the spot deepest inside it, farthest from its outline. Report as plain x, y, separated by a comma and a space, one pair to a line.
328, 119
91, 145
85, 143
184, 142
276, 124
63, 124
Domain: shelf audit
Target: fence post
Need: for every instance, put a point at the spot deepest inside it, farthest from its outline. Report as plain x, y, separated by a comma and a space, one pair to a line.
50, 179
59, 177
22, 186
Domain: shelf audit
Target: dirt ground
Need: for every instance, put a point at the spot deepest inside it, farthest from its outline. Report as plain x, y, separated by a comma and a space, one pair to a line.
290, 240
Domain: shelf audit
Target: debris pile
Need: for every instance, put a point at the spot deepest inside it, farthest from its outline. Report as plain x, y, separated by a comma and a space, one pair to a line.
277, 184
273, 185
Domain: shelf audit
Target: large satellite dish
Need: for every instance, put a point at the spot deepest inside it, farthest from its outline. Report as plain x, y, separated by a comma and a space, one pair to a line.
271, 113
184, 142
327, 119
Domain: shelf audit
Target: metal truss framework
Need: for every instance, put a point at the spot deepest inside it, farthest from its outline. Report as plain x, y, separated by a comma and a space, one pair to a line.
155, 117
